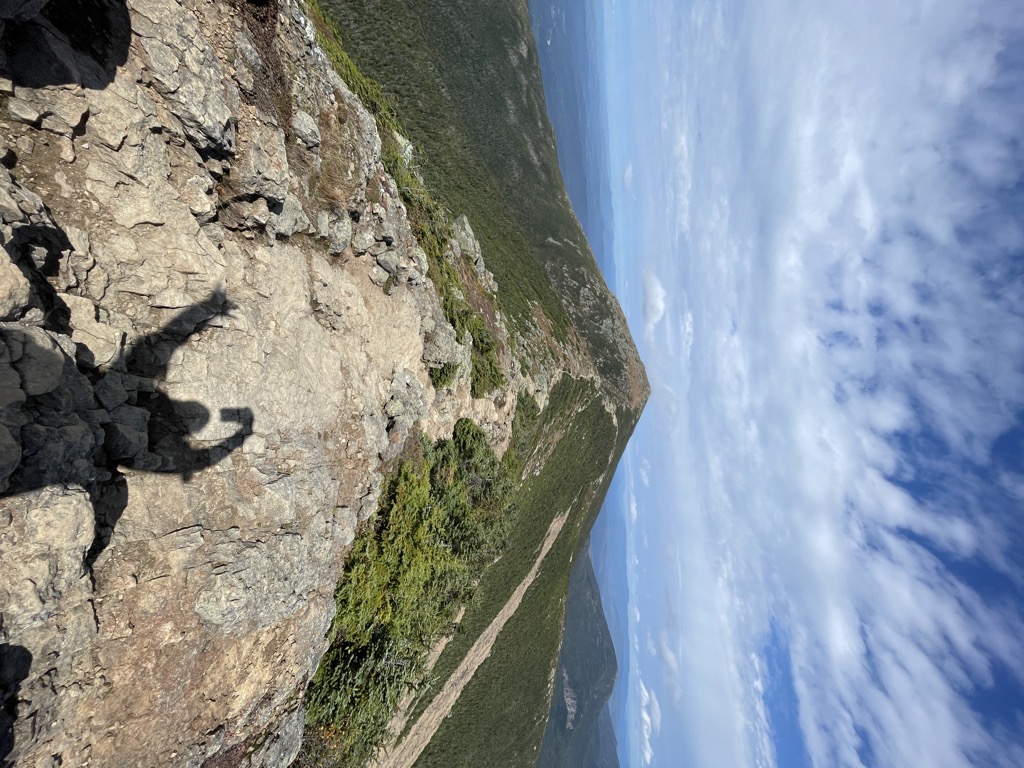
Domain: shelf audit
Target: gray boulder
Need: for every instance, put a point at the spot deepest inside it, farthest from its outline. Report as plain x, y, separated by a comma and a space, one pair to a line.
305, 129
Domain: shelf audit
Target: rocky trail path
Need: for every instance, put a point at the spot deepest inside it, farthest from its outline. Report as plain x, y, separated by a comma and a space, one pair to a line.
405, 754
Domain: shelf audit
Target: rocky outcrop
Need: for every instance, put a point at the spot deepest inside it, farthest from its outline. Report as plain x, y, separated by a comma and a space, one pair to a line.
215, 328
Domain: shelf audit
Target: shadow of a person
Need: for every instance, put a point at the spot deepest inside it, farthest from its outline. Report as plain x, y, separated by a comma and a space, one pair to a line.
172, 424
173, 421
15, 663
53, 403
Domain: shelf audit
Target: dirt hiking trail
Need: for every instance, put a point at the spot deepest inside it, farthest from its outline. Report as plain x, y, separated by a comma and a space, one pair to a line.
405, 754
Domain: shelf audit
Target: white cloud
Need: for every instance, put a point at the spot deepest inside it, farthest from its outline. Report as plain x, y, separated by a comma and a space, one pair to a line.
650, 720
645, 472
654, 304
851, 269
627, 176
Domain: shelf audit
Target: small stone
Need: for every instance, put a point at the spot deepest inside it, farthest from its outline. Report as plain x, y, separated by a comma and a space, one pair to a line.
196, 195
214, 166
262, 168
23, 112
25, 144
54, 124
292, 218
419, 256
172, 298
9, 210
259, 212
67, 149
347, 519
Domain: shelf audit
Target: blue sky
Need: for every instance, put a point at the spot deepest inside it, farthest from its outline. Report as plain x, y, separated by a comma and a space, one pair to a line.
812, 553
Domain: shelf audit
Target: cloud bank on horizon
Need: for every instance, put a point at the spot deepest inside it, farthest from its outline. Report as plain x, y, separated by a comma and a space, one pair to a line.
831, 469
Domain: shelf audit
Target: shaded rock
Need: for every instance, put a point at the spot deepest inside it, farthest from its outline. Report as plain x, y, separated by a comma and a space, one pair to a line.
10, 455
57, 454
21, 9
11, 393
41, 362
122, 442
110, 391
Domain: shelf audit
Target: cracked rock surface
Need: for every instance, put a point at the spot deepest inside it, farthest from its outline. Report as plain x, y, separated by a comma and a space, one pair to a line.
200, 373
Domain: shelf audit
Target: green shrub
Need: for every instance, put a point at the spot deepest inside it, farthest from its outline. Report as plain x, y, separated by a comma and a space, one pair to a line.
443, 376
443, 516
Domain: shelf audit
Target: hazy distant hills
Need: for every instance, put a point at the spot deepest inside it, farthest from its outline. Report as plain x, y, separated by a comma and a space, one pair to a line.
579, 732
567, 33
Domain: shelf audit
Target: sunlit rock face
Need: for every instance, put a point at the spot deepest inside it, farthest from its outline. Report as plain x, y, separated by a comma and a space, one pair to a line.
201, 373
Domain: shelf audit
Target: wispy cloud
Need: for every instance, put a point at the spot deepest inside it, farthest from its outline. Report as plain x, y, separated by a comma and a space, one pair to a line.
654, 304
847, 457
